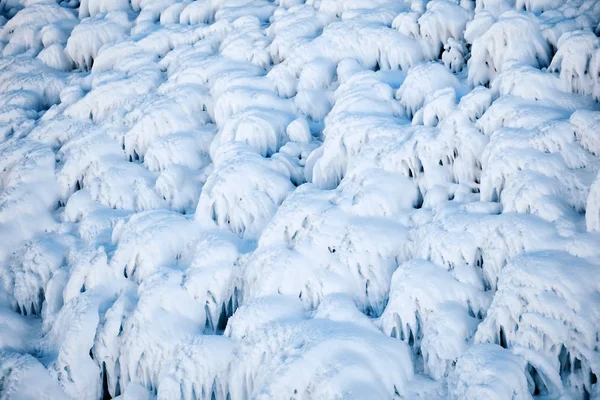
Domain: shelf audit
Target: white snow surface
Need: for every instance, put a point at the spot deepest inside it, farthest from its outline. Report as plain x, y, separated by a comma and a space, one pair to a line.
299, 199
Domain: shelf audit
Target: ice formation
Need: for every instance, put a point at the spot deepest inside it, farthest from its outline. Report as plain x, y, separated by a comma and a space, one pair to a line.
290, 199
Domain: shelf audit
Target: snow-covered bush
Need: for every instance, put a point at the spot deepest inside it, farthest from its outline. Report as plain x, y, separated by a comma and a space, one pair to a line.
442, 21
422, 81
438, 318
503, 42
454, 55
89, 36
263, 130
30, 270
134, 239
578, 62
244, 190
491, 372
304, 363
559, 342
161, 116
348, 126
322, 199
25, 377
35, 27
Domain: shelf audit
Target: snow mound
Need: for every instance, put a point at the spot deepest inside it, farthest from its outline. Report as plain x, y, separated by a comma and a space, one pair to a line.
502, 43
133, 237
488, 371
244, 191
94, 32
438, 318
558, 342
24, 377
423, 81
578, 62
304, 362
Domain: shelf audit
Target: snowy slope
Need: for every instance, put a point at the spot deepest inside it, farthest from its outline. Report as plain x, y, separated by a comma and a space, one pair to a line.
330, 199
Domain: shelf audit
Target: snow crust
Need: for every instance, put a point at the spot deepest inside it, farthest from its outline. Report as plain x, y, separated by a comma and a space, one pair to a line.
321, 199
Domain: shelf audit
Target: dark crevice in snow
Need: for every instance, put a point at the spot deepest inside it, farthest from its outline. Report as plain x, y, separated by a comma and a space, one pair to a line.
502, 338
537, 387
105, 392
